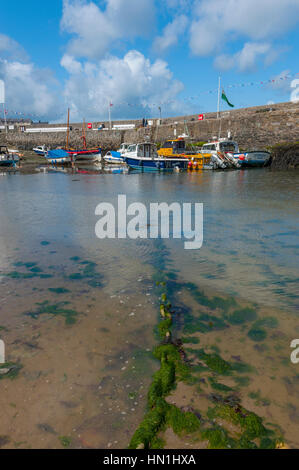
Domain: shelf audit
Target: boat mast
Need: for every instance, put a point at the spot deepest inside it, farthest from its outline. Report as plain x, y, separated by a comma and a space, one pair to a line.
84, 135
219, 91
68, 129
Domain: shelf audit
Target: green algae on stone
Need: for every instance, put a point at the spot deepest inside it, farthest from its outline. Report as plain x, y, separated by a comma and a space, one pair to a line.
13, 369
75, 258
218, 438
190, 340
58, 290
213, 361
219, 386
251, 425
88, 274
65, 441
19, 275
257, 334
54, 309
241, 316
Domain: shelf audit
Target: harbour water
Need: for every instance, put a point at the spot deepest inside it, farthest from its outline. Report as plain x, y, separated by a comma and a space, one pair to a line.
77, 313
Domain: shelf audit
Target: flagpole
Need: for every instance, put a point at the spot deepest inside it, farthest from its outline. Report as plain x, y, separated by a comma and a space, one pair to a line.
5, 120
219, 110
219, 91
109, 110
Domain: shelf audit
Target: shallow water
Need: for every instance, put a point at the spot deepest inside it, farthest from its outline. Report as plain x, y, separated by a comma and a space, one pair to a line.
79, 312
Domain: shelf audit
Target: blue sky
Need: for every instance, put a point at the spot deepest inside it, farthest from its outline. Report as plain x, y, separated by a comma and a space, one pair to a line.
142, 54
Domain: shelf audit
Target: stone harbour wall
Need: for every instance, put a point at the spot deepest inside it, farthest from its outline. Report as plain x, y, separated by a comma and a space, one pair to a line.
254, 128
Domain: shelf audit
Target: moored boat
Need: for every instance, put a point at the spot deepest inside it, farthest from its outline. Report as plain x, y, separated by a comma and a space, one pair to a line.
70, 155
144, 157
59, 157
40, 150
8, 159
254, 158
176, 148
229, 150
113, 157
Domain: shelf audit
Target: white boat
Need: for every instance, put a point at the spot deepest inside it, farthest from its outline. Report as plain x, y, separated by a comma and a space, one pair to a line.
41, 150
113, 157
88, 155
123, 148
229, 151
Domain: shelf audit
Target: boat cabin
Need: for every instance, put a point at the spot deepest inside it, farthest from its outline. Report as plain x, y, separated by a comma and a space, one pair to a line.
145, 150
222, 146
172, 147
123, 148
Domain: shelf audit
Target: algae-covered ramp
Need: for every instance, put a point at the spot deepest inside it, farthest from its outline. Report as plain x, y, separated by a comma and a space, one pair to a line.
214, 416
285, 156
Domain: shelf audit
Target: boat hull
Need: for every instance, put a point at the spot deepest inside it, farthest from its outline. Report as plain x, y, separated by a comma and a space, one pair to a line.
253, 159
156, 164
88, 157
7, 163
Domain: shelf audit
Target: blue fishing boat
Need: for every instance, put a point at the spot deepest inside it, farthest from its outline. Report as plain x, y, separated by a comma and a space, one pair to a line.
7, 158
59, 156
229, 150
144, 157
254, 158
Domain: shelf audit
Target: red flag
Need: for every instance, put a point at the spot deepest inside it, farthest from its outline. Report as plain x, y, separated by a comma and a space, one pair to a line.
200, 117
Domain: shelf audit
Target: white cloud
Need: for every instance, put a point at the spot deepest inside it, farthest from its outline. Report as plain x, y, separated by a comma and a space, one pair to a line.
28, 89
96, 30
171, 34
217, 23
131, 80
281, 83
10, 48
246, 59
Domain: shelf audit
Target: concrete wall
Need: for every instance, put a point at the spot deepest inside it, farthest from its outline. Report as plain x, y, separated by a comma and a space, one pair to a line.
256, 127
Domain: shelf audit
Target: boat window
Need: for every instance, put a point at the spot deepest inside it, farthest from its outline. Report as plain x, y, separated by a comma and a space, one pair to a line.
227, 147
209, 147
180, 146
167, 145
132, 148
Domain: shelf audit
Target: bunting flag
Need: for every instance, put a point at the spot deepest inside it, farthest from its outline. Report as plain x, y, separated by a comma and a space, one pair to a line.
224, 97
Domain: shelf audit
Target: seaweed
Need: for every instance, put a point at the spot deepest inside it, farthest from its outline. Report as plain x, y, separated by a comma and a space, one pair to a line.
65, 441
54, 309
257, 334
241, 316
58, 290
214, 362
190, 340
218, 386
218, 438
161, 414
13, 370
